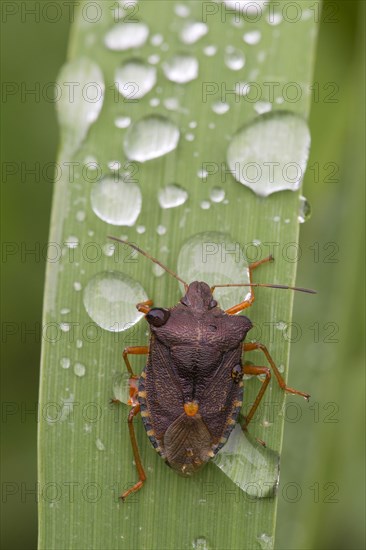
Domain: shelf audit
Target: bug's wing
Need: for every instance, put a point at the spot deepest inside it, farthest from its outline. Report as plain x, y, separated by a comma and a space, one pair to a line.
187, 444
222, 397
163, 396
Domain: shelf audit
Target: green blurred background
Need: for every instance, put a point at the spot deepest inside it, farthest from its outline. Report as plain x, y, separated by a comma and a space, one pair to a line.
321, 496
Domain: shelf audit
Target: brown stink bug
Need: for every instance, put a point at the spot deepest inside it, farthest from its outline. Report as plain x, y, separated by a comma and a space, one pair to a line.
190, 392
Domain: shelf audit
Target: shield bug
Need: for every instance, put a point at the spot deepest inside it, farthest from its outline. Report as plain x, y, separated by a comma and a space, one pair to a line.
190, 392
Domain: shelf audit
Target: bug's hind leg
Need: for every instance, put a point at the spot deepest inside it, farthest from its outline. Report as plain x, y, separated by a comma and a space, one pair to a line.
251, 346
140, 470
249, 301
250, 369
133, 350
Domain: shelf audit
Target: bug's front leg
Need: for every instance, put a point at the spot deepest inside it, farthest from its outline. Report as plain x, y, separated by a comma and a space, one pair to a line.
144, 307
140, 470
249, 369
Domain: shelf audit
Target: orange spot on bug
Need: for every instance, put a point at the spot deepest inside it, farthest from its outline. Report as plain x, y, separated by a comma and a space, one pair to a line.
190, 408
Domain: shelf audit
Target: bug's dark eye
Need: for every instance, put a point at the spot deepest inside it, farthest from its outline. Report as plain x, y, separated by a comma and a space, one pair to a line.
212, 304
158, 316
237, 373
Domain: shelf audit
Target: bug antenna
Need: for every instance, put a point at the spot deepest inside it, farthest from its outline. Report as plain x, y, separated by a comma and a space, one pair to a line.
135, 247
267, 285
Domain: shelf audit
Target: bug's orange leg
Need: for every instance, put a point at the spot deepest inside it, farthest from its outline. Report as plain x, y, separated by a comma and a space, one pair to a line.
250, 369
247, 303
133, 350
140, 470
250, 346
144, 307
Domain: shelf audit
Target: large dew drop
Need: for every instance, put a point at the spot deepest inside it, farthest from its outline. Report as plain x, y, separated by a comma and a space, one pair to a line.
79, 104
271, 153
116, 201
181, 68
252, 467
134, 79
172, 196
110, 299
124, 36
215, 258
150, 138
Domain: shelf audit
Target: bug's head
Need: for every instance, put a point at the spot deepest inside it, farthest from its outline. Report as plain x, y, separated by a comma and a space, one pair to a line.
199, 297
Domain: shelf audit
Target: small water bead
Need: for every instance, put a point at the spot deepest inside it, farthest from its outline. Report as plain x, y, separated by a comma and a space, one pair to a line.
161, 230
66, 410
109, 249
210, 50
72, 241
202, 174
252, 37
280, 139
157, 270
91, 162
234, 59
77, 286
261, 56
274, 18
205, 205
200, 543
99, 444
116, 201
114, 165
124, 36
110, 299
281, 325
65, 327
65, 363
189, 137
172, 196
154, 102
65, 310
262, 107
79, 369
79, 344
153, 59
276, 218
135, 78
150, 137
220, 107
217, 194
140, 229
157, 39
304, 210
193, 31
182, 10
80, 216
242, 88
122, 121
181, 68
247, 7
193, 124
265, 541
